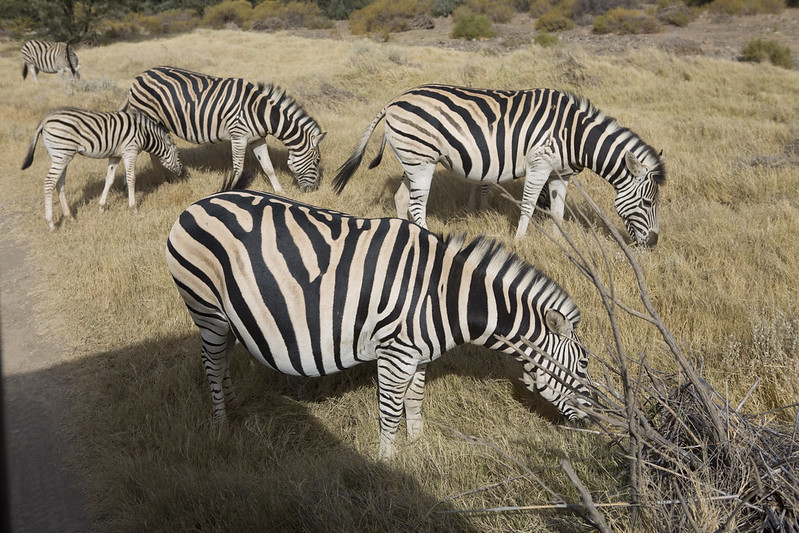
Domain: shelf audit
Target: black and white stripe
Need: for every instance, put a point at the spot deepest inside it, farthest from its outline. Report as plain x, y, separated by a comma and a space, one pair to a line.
541, 135
49, 57
206, 109
117, 136
310, 291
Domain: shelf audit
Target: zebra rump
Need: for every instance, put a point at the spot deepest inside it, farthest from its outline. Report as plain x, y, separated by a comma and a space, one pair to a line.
311, 291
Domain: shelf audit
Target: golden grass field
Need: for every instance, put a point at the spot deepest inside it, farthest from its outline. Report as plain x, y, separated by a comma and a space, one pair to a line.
299, 454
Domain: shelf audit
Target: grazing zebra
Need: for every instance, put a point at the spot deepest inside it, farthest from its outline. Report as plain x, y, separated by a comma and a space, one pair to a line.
206, 109
49, 57
495, 136
117, 136
311, 291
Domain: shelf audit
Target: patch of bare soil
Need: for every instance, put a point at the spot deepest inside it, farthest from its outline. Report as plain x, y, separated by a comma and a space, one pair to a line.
42, 494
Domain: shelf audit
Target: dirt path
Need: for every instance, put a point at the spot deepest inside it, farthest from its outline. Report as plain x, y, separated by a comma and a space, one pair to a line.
44, 496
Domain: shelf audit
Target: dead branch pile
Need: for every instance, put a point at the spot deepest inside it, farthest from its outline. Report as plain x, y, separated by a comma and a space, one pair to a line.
696, 461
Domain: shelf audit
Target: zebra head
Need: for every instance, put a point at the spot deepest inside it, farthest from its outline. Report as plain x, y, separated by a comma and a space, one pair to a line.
303, 162
167, 151
637, 196
559, 371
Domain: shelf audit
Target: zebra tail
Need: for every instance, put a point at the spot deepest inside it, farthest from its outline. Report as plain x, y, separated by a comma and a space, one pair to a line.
29, 158
72, 68
24, 70
351, 165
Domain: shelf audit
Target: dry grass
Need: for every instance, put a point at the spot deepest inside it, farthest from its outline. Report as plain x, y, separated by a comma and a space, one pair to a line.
298, 454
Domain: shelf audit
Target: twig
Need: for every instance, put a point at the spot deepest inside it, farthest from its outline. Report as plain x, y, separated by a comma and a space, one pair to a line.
597, 519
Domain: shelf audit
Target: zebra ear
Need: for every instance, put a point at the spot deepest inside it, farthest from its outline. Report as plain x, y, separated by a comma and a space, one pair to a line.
317, 139
635, 167
558, 323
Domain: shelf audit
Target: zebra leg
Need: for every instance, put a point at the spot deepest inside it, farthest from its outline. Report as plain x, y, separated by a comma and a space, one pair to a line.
478, 198
113, 163
401, 198
539, 166
227, 383
262, 154
62, 196
419, 179
215, 358
557, 202
413, 403
238, 147
129, 159
394, 373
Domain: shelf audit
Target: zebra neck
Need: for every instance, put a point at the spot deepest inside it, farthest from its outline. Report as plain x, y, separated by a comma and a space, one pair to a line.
281, 117
601, 145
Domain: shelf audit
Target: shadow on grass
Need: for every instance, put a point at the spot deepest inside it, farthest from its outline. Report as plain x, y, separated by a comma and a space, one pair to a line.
152, 458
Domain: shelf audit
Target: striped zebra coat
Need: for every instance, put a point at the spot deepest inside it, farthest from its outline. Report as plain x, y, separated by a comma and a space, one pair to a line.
487, 136
49, 57
119, 136
206, 109
310, 292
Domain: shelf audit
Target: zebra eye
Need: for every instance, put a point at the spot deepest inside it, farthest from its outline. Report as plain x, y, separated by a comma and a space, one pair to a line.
646, 203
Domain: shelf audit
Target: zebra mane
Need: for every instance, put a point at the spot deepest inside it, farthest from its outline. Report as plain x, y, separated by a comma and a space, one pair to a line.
652, 159
493, 257
278, 95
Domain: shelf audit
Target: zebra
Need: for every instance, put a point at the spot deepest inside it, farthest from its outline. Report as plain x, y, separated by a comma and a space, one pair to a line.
311, 291
49, 57
492, 136
206, 109
118, 136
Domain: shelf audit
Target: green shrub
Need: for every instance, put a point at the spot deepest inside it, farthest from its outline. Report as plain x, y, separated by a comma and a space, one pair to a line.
746, 7
759, 50
277, 15
341, 9
676, 14
236, 12
386, 16
553, 20
547, 40
444, 8
473, 26
598, 7
623, 20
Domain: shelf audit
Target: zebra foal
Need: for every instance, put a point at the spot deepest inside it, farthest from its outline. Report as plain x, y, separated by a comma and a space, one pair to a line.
310, 292
119, 136
488, 136
49, 57
206, 109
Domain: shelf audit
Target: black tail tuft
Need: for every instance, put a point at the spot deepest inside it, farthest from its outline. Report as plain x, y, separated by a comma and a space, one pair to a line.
24, 71
346, 171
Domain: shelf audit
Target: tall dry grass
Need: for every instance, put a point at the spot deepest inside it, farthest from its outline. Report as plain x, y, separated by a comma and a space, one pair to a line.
298, 454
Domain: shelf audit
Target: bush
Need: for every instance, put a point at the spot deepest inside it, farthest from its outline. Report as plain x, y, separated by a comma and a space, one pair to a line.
170, 21
622, 20
746, 7
341, 9
553, 20
759, 50
539, 7
500, 11
473, 26
547, 40
676, 14
236, 12
386, 16
276, 15
444, 8
598, 7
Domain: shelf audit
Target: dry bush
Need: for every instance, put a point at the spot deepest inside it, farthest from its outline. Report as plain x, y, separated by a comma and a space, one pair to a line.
497, 11
472, 26
746, 7
553, 20
760, 50
235, 12
622, 20
388, 16
277, 15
